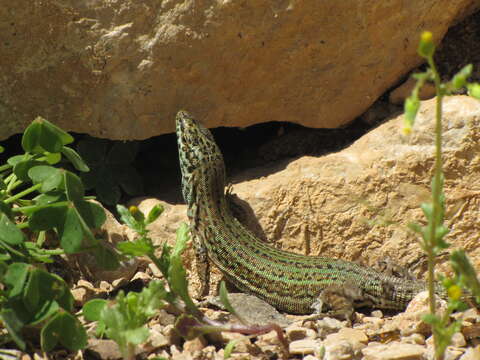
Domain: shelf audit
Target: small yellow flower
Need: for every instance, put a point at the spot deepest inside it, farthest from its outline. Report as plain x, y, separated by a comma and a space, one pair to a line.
426, 47
133, 209
454, 292
426, 37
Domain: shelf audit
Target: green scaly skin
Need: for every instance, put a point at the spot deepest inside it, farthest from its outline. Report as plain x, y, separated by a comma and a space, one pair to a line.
290, 282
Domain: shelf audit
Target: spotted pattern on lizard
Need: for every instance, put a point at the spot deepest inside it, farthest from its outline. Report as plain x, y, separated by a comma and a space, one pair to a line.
290, 282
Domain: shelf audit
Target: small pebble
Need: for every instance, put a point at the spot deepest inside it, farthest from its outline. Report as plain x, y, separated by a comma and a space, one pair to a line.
310, 357
471, 354
394, 351
157, 338
196, 344
458, 340
294, 332
303, 347
453, 353
338, 348
416, 338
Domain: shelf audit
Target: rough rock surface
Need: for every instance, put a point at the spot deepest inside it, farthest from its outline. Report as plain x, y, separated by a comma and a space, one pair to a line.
355, 204
122, 69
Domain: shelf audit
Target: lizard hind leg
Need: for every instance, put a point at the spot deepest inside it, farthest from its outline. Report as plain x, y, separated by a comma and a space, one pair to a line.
339, 300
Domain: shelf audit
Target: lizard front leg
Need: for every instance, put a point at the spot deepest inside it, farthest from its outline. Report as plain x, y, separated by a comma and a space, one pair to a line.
202, 266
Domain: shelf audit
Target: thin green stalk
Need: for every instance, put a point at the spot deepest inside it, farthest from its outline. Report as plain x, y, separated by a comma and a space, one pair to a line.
41, 238
436, 194
52, 251
5, 167
11, 249
23, 193
13, 184
31, 208
9, 177
22, 225
9, 180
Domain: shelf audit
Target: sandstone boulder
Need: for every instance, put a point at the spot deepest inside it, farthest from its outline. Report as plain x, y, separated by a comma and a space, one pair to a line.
122, 69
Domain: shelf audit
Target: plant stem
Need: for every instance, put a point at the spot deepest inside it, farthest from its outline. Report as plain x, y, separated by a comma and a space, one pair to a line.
12, 250
130, 352
436, 195
41, 238
9, 177
190, 306
22, 193
52, 251
5, 167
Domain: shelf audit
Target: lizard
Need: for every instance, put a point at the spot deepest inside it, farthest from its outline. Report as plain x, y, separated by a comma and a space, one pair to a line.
291, 282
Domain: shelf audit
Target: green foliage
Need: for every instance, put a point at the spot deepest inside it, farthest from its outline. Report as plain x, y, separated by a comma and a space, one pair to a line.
434, 232
177, 276
34, 296
136, 220
227, 352
433, 235
51, 198
170, 260
124, 320
474, 90
443, 330
38, 196
111, 168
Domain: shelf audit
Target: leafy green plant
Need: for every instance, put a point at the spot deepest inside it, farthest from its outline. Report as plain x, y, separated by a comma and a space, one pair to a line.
39, 197
42, 197
128, 314
124, 319
35, 297
111, 169
433, 234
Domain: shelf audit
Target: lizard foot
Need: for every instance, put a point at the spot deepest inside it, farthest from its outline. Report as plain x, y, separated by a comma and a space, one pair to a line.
338, 301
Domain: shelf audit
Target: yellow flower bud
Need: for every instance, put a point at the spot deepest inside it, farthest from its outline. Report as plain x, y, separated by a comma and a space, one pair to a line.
426, 48
133, 209
426, 37
454, 292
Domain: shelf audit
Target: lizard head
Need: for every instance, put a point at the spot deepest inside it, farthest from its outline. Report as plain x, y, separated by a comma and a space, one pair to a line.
196, 144
200, 157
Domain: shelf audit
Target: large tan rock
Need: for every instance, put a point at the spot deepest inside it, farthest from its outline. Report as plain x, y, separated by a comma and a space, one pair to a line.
355, 204
122, 69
